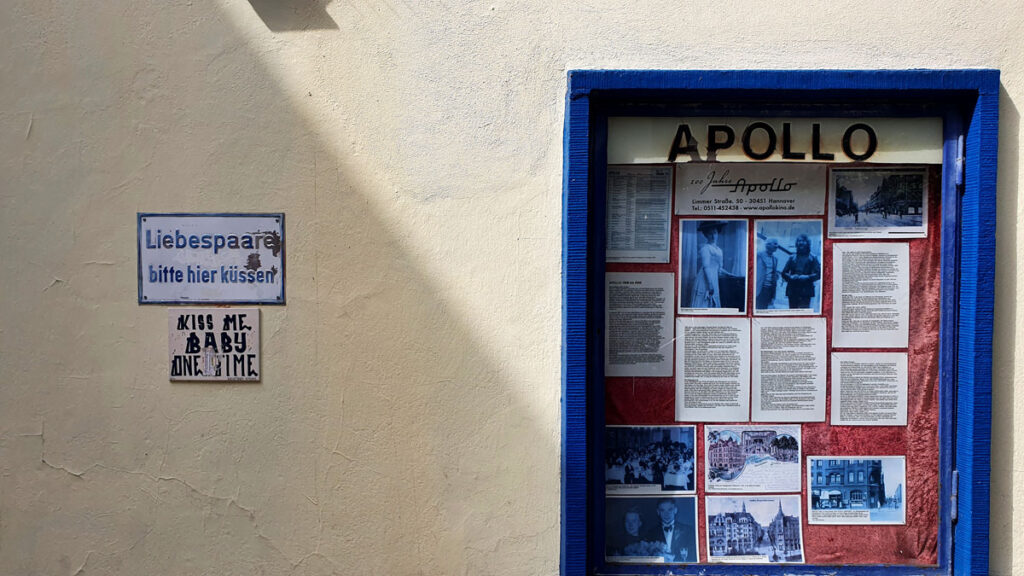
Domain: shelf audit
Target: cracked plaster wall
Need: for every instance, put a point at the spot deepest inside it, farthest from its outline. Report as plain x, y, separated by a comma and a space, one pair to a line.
407, 421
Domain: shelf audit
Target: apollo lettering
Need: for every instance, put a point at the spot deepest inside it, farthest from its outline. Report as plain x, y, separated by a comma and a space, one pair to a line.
760, 141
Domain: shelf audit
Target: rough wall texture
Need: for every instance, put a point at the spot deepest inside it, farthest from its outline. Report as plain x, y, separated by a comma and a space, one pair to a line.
407, 422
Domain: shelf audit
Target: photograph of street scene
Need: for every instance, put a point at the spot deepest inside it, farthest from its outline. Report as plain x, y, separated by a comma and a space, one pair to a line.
761, 529
873, 202
752, 458
861, 490
650, 459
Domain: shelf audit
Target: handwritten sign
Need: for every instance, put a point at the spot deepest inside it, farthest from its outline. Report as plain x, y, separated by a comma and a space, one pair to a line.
211, 258
214, 344
773, 189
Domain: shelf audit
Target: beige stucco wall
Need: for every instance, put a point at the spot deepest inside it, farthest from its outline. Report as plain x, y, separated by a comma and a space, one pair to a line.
408, 418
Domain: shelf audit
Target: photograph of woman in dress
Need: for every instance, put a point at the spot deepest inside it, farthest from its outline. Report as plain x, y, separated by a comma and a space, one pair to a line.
705, 291
713, 265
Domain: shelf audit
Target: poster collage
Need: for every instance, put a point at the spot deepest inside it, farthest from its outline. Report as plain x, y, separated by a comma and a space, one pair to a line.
739, 324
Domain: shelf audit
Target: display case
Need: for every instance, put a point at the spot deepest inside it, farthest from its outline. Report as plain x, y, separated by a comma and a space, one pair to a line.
777, 321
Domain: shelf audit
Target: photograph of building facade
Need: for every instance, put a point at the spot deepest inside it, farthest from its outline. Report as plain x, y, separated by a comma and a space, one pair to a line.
896, 501
756, 441
784, 533
847, 484
734, 533
860, 490
899, 195
784, 448
734, 530
729, 450
726, 455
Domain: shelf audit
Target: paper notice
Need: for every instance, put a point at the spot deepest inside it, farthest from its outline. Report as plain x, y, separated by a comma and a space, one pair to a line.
788, 370
869, 389
638, 324
214, 344
638, 215
871, 294
712, 369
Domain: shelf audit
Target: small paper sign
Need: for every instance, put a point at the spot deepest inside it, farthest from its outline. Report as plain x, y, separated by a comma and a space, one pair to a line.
214, 344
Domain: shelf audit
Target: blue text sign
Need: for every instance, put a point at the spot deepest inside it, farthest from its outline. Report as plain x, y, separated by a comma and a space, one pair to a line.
211, 258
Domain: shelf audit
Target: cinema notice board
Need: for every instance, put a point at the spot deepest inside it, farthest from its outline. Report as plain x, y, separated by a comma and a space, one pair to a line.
774, 387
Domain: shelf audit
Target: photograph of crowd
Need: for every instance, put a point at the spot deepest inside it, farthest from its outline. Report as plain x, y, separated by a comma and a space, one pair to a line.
650, 459
646, 529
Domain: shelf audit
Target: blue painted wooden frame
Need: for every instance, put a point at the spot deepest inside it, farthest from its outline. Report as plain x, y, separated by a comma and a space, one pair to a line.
969, 102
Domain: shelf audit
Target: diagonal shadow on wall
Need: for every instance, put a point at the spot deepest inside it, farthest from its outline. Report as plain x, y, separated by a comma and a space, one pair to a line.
293, 15
387, 436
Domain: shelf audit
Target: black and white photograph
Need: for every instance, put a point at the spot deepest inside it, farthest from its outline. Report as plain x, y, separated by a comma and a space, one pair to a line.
651, 529
878, 203
740, 458
712, 267
754, 529
787, 274
856, 490
650, 459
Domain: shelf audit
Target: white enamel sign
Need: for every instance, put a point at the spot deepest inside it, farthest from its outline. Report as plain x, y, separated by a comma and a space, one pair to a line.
211, 258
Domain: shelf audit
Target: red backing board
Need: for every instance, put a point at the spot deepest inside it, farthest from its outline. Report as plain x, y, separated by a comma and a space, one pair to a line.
651, 401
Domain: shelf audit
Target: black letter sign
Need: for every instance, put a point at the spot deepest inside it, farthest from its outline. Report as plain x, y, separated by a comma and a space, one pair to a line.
691, 145
771, 140
787, 142
713, 144
872, 141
